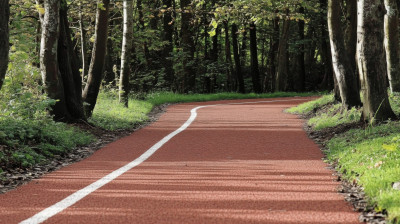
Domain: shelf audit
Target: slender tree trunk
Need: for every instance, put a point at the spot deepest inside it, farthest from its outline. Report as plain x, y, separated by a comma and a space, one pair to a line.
236, 57
126, 52
255, 72
95, 75
85, 59
273, 51
228, 59
188, 47
351, 36
282, 73
167, 37
243, 49
345, 75
392, 44
300, 56
4, 38
371, 60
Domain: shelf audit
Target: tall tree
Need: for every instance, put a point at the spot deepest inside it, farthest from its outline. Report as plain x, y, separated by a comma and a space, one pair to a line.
273, 50
4, 38
371, 60
84, 48
48, 58
228, 57
391, 27
351, 35
188, 46
126, 52
255, 72
300, 55
167, 37
96, 68
283, 59
344, 72
236, 57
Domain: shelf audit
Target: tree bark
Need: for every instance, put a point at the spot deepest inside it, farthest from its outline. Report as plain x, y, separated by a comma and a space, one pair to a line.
351, 36
392, 44
96, 68
188, 47
300, 56
69, 68
126, 51
282, 73
51, 76
345, 75
236, 57
167, 37
228, 58
273, 51
255, 72
4, 38
371, 60
85, 59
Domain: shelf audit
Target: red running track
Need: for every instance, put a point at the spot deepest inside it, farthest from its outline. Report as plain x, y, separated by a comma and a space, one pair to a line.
248, 163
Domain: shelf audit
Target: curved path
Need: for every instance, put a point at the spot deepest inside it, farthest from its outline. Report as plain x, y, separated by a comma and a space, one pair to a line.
243, 161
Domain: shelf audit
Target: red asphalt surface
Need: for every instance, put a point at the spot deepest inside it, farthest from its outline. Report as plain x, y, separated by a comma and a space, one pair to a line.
247, 163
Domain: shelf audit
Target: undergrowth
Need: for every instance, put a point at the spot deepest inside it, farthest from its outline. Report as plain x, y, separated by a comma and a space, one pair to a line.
369, 157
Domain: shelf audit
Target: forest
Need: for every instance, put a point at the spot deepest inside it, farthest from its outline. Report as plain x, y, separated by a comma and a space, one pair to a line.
66, 63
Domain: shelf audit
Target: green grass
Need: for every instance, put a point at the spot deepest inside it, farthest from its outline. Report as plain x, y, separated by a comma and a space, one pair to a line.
334, 116
111, 115
370, 157
310, 106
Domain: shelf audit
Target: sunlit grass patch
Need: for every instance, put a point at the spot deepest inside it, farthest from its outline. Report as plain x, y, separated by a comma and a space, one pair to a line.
307, 107
372, 158
333, 116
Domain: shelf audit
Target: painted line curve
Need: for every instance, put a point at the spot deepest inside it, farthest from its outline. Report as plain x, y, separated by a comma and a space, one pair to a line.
82, 193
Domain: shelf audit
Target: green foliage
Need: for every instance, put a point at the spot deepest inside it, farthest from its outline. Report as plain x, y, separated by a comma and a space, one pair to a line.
373, 161
335, 115
308, 107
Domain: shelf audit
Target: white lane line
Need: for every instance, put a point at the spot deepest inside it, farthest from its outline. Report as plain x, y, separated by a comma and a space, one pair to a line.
77, 196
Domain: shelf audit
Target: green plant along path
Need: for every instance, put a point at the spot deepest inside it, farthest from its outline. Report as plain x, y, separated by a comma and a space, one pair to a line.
369, 157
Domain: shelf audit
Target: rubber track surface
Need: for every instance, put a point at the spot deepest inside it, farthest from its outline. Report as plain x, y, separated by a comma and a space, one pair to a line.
247, 163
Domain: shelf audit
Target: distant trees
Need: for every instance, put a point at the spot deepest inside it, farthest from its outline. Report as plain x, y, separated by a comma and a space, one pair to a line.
4, 38
206, 46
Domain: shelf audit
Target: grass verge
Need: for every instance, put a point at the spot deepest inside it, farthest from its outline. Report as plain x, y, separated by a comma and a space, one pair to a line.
369, 157
111, 115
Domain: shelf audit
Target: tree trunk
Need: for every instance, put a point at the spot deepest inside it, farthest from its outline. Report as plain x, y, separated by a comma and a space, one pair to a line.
96, 68
85, 59
51, 76
4, 38
282, 73
228, 58
351, 36
345, 75
392, 44
69, 68
126, 52
371, 60
300, 56
255, 72
188, 47
236, 57
167, 37
273, 51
